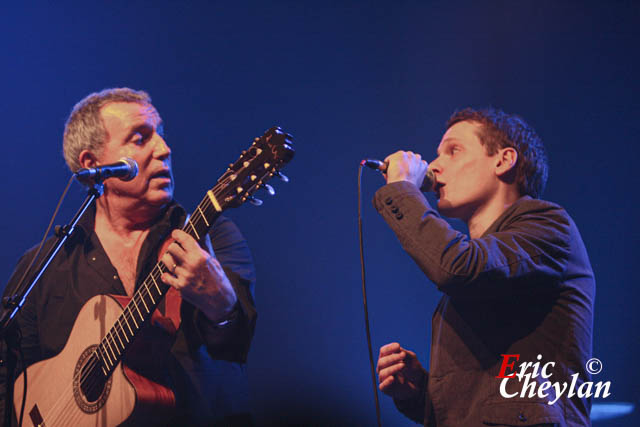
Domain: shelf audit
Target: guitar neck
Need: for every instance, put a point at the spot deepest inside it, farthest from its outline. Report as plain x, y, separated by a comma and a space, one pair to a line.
146, 299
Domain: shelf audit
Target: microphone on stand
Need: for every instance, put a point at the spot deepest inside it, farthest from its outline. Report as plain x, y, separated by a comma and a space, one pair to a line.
427, 184
126, 169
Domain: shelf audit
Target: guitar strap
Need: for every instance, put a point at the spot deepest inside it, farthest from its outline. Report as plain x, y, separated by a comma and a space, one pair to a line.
173, 301
170, 320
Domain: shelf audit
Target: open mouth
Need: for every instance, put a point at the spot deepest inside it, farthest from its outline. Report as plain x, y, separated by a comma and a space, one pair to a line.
437, 188
162, 174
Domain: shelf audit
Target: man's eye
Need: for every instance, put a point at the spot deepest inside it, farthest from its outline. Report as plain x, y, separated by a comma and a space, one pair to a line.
137, 139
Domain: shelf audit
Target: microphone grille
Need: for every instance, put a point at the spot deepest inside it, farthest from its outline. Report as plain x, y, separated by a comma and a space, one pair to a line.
133, 168
429, 181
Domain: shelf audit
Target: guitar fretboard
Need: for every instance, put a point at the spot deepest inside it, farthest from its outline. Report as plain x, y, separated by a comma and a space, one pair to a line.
150, 293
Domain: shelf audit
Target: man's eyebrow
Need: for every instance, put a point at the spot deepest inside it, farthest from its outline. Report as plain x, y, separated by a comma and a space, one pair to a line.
145, 125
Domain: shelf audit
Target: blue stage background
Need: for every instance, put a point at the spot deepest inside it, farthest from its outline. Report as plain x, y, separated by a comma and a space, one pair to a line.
349, 80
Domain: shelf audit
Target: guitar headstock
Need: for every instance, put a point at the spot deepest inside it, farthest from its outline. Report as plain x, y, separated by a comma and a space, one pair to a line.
259, 163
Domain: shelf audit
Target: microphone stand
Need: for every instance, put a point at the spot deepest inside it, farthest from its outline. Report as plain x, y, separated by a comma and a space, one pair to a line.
11, 305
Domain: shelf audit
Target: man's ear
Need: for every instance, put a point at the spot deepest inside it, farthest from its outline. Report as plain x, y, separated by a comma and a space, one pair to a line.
506, 161
87, 159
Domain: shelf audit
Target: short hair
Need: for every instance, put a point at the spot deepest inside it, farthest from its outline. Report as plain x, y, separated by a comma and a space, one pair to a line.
84, 129
501, 130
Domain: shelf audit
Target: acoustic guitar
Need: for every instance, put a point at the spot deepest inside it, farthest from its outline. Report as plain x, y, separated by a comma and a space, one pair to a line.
91, 382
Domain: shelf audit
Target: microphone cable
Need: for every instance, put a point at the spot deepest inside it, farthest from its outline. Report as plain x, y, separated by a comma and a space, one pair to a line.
18, 288
364, 297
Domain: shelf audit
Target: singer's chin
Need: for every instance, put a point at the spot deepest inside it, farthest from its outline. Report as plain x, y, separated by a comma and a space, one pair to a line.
160, 200
444, 206
161, 195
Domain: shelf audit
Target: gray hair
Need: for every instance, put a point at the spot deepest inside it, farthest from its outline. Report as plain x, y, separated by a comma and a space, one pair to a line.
85, 130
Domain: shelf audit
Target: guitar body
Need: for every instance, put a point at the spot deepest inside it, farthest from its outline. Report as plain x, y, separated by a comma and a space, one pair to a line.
55, 397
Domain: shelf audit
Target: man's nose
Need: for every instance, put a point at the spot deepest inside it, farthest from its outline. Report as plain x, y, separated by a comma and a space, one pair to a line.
435, 166
161, 148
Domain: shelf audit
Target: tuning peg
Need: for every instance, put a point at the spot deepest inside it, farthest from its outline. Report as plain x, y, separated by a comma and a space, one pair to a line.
282, 176
254, 201
270, 189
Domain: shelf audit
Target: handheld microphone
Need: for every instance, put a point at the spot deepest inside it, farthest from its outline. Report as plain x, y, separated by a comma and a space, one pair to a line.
427, 184
126, 169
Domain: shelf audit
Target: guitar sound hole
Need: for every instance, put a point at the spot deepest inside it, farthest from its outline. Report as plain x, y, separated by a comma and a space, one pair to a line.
90, 386
94, 380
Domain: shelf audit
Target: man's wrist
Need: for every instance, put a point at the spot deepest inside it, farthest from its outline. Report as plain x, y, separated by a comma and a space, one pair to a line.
228, 318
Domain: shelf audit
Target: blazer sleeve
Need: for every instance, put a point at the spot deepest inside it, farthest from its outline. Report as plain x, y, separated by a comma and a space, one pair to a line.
532, 243
418, 409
